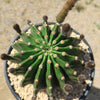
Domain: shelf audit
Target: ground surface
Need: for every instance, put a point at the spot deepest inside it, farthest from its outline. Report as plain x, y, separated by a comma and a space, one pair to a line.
85, 18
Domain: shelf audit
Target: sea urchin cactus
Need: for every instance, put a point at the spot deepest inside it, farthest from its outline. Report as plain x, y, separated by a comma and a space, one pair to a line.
48, 57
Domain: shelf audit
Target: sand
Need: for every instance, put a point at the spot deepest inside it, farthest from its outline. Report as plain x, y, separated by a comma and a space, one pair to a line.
12, 11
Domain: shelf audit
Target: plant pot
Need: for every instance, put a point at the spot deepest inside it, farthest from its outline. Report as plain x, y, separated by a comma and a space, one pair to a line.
10, 49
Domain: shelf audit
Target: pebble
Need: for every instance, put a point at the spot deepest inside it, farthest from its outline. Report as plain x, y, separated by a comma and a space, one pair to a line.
88, 81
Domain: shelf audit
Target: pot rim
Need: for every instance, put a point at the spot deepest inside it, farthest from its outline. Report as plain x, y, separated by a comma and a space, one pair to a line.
85, 93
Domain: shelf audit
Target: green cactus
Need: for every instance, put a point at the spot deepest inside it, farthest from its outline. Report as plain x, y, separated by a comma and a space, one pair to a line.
47, 57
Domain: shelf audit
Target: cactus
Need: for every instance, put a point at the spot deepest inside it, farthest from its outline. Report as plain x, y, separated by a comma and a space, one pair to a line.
47, 57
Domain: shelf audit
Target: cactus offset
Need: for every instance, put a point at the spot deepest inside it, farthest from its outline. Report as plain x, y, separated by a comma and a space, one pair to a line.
48, 56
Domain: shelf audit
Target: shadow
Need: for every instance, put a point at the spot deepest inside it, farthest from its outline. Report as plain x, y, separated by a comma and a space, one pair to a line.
94, 94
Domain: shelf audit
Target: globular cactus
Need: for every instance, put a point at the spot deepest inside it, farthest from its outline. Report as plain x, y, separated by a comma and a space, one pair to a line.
48, 57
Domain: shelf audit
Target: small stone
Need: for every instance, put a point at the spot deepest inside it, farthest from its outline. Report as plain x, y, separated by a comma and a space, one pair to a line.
51, 98
20, 84
50, 94
27, 34
33, 98
87, 57
88, 81
57, 24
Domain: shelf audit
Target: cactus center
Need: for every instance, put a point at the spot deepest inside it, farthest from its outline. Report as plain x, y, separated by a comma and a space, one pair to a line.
47, 48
